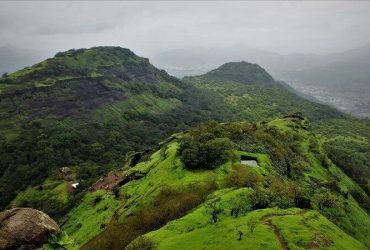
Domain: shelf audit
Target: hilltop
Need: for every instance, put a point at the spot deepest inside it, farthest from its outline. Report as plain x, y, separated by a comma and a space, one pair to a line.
194, 192
87, 63
339, 79
244, 72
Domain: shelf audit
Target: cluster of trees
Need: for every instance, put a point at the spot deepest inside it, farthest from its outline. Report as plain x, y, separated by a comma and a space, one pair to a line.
208, 145
204, 152
285, 151
273, 191
199, 150
211, 144
353, 160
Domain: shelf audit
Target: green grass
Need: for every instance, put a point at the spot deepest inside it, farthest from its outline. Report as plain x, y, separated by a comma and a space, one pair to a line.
310, 229
88, 219
298, 227
169, 171
165, 173
196, 231
161, 172
49, 189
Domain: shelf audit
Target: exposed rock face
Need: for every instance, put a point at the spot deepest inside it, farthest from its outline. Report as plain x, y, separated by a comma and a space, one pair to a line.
25, 228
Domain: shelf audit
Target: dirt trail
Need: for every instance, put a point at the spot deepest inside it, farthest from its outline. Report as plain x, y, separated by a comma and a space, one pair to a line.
283, 243
267, 221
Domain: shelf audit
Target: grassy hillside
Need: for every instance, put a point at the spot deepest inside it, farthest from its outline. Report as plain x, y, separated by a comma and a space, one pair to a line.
295, 199
347, 139
86, 108
262, 229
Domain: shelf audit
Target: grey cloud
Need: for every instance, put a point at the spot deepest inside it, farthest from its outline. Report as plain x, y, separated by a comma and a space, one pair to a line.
151, 27
72, 29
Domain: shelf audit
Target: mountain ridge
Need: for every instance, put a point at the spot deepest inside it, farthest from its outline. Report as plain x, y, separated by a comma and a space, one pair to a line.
79, 104
175, 179
324, 77
86, 109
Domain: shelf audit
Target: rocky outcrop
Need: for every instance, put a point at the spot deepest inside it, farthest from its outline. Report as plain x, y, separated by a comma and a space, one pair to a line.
25, 228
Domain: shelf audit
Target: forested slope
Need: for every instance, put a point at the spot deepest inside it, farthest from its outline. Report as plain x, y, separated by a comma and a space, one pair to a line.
86, 109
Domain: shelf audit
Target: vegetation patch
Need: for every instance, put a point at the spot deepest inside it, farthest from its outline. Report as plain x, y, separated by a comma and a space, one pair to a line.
170, 204
90, 217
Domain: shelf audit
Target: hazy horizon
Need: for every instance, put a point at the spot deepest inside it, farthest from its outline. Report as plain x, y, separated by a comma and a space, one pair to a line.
149, 28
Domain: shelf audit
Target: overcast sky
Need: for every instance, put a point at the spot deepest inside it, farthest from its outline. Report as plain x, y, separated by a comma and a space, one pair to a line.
151, 27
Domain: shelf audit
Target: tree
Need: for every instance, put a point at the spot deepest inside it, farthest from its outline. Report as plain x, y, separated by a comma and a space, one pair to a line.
5, 75
214, 209
240, 205
260, 198
252, 224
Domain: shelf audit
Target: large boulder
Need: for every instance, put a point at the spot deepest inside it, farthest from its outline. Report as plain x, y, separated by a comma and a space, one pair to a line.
25, 228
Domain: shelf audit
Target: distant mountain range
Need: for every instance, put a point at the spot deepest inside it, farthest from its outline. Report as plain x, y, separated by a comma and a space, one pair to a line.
341, 79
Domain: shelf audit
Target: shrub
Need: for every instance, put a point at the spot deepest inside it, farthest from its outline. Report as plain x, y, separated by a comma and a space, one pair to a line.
59, 242
242, 176
280, 194
96, 200
252, 224
116, 192
275, 193
240, 205
298, 168
328, 203
203, 152
141, 243
301, 199
260, 198
361, 198
325, 161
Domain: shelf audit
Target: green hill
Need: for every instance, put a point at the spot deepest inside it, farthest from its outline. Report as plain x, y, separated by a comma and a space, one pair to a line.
344, 135
85, 109
90, 109
244, 72
176, 206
